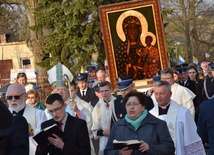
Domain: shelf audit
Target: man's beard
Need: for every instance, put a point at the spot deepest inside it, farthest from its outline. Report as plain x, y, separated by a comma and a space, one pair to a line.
18, 108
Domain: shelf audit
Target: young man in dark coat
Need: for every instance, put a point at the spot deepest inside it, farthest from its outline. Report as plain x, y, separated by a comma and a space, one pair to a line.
75, 138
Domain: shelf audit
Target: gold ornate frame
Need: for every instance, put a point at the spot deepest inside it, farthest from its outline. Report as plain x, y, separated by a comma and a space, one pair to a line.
112, 34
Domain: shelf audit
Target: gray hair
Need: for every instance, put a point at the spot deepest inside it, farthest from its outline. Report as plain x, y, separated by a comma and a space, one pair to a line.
168, 71
163, 83
101, 72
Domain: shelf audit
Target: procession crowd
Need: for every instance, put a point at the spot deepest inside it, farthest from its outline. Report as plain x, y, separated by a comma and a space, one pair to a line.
175, 116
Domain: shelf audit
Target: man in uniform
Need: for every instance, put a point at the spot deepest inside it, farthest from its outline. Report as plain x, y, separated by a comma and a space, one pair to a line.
125, 85
208, 84
84, 92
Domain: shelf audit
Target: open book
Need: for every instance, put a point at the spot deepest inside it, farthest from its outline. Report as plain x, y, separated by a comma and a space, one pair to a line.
131, 144
42, 137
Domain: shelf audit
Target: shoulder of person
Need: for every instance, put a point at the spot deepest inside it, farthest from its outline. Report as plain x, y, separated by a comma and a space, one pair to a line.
72, 120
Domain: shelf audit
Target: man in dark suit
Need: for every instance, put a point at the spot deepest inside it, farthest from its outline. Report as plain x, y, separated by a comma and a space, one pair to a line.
206, 123
75, 138
84, 92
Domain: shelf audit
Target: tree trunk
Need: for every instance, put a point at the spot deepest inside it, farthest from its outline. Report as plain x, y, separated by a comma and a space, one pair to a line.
33, 43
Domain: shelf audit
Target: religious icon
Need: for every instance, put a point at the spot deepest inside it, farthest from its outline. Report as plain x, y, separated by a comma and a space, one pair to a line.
136, 55
134, 39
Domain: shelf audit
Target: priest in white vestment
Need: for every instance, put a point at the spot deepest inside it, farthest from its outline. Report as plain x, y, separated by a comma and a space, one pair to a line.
34, 117
179, 120
182, 95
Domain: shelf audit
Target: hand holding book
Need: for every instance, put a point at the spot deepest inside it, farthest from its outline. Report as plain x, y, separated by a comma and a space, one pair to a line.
42, 137
131, 144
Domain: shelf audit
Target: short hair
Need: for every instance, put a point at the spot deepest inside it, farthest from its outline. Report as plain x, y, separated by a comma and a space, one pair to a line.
140, 96
104, 83
101, 72
72, 83
32, 91
168, 71
163, 83
54, 97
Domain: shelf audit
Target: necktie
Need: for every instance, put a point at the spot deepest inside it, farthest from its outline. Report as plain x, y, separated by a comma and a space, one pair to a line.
182, 83
107, 104
60, 126
76, 116
83, 93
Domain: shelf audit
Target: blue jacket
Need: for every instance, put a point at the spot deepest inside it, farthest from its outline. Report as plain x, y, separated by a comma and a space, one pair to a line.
152, 130
206, 123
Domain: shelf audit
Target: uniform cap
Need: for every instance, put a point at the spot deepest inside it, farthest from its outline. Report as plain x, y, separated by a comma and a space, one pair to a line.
81, 77
181, 69
124, 82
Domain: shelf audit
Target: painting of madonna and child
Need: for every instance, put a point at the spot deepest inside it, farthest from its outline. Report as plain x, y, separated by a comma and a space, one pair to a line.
137, 40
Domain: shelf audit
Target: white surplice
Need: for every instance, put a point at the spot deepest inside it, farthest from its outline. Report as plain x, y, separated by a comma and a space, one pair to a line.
182, 95
182, 129
101, 116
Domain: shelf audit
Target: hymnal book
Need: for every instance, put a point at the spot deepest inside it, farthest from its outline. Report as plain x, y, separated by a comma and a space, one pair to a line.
42, 137
131, 144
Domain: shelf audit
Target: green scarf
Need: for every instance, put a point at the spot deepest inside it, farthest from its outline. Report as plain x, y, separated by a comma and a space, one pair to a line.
136, 123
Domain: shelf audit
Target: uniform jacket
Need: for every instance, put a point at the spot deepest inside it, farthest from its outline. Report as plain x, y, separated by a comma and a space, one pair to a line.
75, 138
120, 109
152, 130
206, 123
207, 84
89, 97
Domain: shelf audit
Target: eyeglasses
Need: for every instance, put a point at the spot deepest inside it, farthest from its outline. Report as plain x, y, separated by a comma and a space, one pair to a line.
132, 104
55, 110
17, 97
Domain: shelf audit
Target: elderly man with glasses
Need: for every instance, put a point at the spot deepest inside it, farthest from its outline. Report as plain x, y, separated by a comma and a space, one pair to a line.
16, 98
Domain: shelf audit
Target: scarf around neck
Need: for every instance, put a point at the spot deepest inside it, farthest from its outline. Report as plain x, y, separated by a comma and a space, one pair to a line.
136, 123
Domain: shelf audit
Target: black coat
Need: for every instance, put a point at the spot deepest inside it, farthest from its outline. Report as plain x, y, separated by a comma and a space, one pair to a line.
89, 97
75, 138
15, 140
